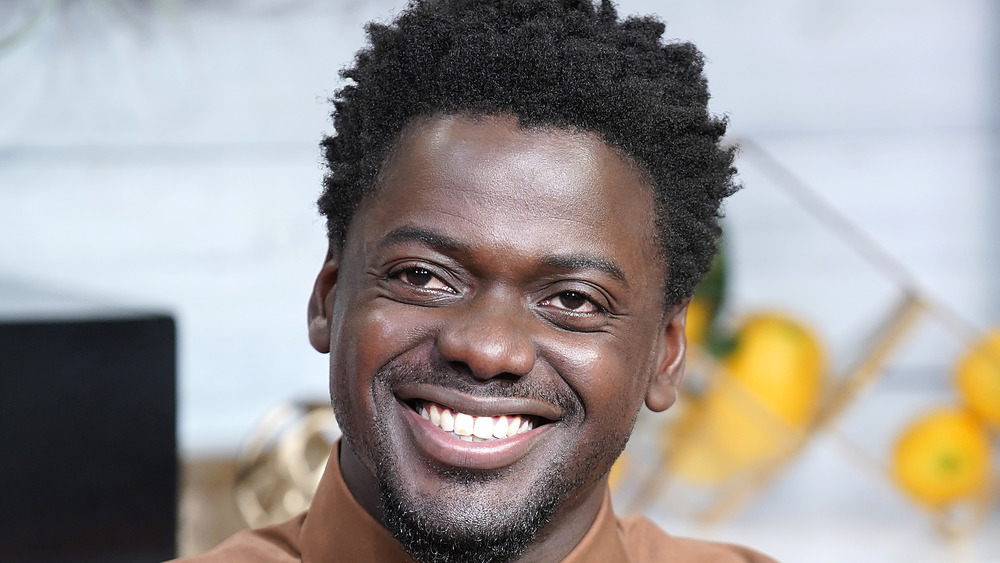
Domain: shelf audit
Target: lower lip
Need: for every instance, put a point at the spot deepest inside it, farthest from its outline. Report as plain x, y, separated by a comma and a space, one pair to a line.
447, 449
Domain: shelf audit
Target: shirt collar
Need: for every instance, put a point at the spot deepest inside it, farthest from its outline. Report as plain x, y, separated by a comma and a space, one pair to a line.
338, 528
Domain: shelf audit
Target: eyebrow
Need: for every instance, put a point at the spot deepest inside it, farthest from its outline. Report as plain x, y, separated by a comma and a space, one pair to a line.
408, 233
585, 262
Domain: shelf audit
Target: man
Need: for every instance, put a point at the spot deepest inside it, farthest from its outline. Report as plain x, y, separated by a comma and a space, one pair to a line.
521, 197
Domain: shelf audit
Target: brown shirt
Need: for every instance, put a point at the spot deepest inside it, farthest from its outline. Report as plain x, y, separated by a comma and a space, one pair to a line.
337, 529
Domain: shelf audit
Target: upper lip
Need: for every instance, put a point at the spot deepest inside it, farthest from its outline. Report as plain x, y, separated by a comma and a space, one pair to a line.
477, 405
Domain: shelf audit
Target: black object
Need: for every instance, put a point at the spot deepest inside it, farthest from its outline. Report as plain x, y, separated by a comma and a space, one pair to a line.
88, 454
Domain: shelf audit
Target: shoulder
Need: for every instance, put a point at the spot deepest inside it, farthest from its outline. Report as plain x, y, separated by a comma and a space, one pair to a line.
647, 543
274, 544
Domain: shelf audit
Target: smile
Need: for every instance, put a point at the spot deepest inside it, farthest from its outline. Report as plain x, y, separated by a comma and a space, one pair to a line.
474, 428
474, 432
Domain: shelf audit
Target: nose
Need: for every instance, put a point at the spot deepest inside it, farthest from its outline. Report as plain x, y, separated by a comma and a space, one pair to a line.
489, 336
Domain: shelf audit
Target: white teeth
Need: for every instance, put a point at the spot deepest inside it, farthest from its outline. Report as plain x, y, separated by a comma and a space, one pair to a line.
483, 427
474, 428
513, 425
500, 427
464, 425
447, 420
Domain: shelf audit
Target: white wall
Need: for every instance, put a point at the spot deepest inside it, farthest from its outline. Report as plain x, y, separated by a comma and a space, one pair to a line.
169, 157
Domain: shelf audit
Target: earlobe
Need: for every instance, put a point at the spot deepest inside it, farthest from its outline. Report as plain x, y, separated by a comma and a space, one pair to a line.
321, 302
672, 342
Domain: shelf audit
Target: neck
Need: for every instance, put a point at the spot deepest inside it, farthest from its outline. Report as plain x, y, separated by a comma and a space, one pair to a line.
360, 481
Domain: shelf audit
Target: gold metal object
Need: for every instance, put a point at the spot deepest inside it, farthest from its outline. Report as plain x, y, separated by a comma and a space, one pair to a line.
279, 468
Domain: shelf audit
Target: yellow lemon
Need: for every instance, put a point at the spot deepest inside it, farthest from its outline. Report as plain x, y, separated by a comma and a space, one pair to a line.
977, 377
942, 457
764, 397
780, 363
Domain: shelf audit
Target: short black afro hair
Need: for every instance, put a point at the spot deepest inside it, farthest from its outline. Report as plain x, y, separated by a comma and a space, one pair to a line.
561, 63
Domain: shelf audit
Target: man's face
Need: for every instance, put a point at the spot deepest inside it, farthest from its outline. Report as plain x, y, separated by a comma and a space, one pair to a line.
503, 284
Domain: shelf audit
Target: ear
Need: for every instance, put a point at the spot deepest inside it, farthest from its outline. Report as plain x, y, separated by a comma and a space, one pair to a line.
321, 302
672, 343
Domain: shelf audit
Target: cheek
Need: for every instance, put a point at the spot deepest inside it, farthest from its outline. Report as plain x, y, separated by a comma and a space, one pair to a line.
605, 372
371, 336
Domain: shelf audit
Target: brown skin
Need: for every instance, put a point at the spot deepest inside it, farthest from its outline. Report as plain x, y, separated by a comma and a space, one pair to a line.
500, 295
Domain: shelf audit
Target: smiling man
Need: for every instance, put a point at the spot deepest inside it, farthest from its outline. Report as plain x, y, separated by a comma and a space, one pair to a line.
521, 198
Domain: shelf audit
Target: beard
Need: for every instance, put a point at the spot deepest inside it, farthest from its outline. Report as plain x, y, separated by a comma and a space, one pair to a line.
466, 522
479, 533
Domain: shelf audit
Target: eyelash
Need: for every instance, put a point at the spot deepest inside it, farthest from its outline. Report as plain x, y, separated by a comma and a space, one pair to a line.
600, 309
398, 273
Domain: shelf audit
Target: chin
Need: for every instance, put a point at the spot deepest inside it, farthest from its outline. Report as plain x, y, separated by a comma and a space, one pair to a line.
468, 520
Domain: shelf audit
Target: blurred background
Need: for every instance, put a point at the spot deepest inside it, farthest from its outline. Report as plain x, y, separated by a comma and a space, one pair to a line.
163, 156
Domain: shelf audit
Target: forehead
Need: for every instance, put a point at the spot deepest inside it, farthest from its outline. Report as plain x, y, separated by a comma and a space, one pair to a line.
489, 182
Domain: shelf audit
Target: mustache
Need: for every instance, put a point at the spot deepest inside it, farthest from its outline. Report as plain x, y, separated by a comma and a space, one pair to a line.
440, 373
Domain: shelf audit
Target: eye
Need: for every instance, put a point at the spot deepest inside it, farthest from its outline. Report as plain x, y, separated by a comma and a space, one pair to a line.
422, 278
574, 302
